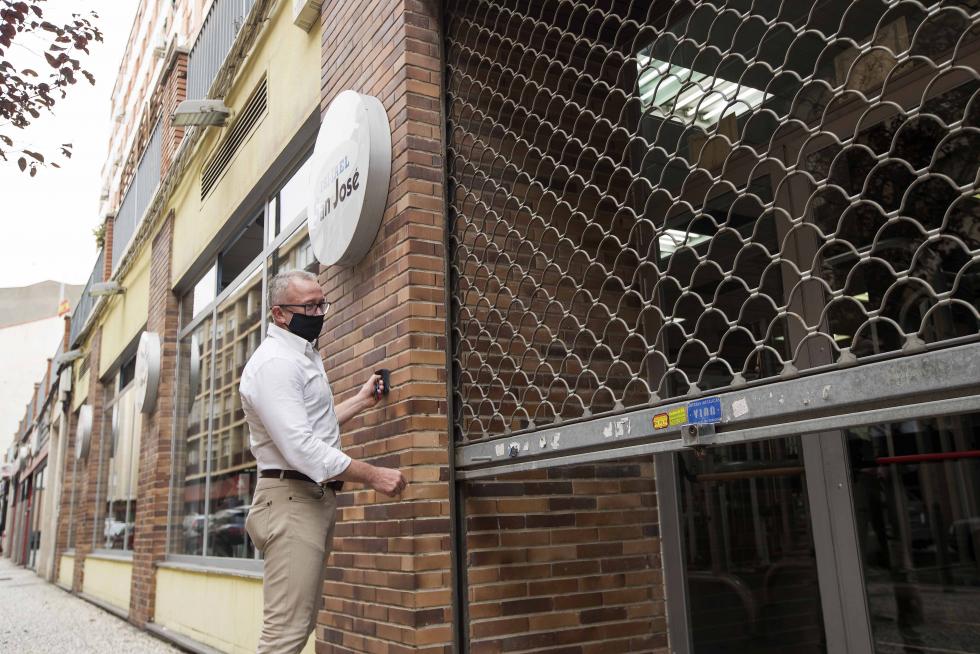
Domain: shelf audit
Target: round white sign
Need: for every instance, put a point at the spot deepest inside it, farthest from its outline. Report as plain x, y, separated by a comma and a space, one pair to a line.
349, 174
83, 432
147, 374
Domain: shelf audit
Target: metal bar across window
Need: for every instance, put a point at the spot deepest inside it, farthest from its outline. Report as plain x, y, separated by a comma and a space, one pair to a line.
763, 411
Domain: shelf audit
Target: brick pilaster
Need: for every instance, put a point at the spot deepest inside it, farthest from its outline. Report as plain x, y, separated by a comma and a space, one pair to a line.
107, 249
86, 481
174, 84
64, 501
388, 580
66, 336
150, 539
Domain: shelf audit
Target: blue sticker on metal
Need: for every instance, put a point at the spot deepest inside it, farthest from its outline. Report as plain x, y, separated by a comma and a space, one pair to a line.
704, 412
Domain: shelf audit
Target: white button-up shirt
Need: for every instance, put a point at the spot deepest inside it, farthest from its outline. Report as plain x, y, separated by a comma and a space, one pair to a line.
289, 408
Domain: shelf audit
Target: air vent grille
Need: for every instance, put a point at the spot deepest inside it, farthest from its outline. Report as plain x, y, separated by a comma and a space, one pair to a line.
251, 113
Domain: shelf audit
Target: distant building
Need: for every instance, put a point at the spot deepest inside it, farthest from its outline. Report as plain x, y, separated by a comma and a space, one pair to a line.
30, 330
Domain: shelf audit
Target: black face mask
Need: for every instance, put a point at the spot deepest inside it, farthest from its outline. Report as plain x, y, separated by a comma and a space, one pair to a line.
306, 327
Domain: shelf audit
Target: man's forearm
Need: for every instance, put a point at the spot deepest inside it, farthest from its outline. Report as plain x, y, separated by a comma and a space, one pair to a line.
360, 472
384, 480
350, 408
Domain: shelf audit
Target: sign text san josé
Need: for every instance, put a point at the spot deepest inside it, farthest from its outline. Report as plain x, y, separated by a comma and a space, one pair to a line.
342, 190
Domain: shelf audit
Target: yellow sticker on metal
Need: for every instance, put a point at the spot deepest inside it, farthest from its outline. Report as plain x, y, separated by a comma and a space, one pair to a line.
661, 421
678, 416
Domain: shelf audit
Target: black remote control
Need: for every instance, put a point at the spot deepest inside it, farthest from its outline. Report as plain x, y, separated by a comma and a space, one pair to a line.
385, 385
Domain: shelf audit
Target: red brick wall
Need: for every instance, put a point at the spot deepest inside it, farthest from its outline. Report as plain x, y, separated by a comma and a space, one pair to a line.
107, 260
174, 91
150, 540
87, 478
388, 581
566, 560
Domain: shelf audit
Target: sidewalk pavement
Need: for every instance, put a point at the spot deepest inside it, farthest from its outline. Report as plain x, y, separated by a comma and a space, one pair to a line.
39, 618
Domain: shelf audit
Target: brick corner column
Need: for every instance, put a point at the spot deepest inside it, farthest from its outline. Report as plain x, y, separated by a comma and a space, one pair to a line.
389, 578
174, 90
150, 538
107, 248
87, 478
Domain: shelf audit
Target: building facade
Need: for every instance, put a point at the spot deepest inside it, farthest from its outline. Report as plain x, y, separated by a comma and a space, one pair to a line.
32, 471
680, 301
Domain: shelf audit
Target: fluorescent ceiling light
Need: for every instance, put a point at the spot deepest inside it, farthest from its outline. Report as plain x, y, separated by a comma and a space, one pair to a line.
672, 239
661, 83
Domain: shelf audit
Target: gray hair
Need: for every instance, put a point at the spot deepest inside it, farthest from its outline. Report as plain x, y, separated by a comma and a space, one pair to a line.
279, 284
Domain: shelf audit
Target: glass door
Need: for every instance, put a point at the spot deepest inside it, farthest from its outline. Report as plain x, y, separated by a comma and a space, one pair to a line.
916, 494
863, 539
748, 549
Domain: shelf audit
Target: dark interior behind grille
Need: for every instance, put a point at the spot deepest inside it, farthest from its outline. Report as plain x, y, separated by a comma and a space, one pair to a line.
654, 200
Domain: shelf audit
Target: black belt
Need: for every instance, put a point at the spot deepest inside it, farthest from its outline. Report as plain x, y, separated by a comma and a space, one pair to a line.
336, 485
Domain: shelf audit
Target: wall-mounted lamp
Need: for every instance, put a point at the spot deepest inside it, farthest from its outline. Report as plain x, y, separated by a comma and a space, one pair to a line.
106, 288
201, 112
68, 357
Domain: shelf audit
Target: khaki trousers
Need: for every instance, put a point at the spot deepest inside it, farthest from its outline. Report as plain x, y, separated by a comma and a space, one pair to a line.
291, 522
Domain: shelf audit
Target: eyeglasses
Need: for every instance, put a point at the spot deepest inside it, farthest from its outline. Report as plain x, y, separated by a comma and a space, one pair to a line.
310, 308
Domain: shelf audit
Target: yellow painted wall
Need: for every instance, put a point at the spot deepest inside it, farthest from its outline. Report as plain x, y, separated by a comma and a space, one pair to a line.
79, 394
108, 580
66, 570
223, 611
290, 60
127, 312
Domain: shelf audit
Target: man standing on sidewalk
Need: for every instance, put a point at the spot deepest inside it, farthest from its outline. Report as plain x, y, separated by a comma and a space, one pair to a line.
295, 438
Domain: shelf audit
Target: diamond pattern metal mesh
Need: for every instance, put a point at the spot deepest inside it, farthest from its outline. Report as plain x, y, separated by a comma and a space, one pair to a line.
653, 200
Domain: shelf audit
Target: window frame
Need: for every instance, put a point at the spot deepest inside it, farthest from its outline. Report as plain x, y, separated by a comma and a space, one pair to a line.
109, 407
269, 213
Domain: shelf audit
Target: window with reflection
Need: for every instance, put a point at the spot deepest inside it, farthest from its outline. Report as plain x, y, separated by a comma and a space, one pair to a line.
75, 465
916, 492
194, 369
119, 463
222, 324
748, 547
232, 467
203, 294
292, 197
290, 203
296, 253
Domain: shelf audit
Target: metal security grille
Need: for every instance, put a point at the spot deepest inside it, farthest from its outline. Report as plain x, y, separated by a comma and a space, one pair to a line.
656, 200
83, 308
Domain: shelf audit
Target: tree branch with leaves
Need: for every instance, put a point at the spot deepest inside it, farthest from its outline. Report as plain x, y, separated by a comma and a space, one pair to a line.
25, 92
